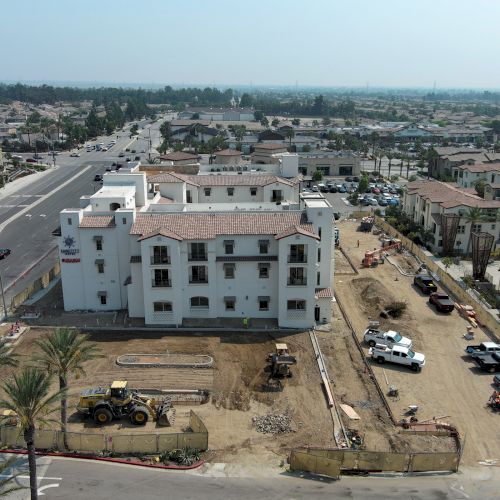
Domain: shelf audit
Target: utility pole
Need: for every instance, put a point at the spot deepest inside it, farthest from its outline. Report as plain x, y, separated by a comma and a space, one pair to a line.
4, 316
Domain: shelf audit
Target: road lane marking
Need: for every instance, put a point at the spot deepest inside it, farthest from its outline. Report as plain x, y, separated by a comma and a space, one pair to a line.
7, 476
41, 490
42, 199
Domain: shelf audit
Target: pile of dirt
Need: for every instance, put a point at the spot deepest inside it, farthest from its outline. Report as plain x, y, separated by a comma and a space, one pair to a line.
374, 296
273, 423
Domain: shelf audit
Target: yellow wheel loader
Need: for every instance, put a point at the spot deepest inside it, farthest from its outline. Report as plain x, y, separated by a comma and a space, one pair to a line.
118, 401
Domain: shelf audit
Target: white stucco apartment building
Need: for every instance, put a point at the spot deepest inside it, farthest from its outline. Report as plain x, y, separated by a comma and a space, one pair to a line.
126, 248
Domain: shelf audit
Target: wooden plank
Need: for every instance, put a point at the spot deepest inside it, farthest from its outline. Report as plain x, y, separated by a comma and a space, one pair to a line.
350, 412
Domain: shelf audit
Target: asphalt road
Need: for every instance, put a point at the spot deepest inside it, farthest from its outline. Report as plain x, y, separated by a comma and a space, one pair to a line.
81, 479
30, 213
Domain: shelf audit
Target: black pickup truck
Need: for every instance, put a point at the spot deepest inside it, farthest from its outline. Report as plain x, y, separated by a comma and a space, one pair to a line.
425, 283
489, 363
441, 302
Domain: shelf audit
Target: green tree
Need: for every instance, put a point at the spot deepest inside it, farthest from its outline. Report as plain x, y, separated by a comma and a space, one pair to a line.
472, 217
289, 134
390, 157
326, 121
134, 129
479, 186
296, 122
28, 395
63, 353
166, 130
7, 481
317, 175
246, 101
275, 122
258, 115
447, 262
264, 122
306, 148
363, 184
7, 358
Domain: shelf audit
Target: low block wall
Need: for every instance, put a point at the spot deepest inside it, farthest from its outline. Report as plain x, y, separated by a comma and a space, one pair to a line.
48, 439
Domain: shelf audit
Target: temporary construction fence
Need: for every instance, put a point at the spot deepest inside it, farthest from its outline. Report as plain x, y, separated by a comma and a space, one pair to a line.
35, 286
49, 439
332, 462
482, 316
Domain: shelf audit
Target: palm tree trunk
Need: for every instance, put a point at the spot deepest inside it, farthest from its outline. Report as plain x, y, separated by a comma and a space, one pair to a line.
389, 174
64, 411
470, 239
401, 169
29, 437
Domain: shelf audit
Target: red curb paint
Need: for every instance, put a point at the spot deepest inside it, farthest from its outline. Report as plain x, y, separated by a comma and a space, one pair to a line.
106, 459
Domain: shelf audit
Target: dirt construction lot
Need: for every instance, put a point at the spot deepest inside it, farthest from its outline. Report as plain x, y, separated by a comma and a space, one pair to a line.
235, 382
449, 385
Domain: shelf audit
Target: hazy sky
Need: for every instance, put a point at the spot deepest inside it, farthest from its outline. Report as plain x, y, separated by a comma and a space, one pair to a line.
455, 43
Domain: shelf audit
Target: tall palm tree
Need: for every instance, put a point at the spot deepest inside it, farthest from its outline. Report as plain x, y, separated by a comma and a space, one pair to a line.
27, 394
7, 481
472, 217
290, 134
63, 353
7, 358
390, 157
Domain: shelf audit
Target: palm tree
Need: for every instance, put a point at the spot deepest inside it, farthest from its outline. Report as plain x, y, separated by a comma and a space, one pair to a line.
7, 358
390, 156
27, 394
63, 353
7, 480
290, 134
472, 217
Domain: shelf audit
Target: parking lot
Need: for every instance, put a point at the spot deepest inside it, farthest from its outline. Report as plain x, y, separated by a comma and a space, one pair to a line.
449, 386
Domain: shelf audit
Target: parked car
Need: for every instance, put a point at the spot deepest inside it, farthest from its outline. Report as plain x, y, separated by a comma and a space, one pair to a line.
98, 177
483, 349
425, 283
121, 155
489, 363
315, 189
496, 381
38, 157
4, 252
399, 355
30, 160
441, 302
75, 155
333, 189
382, 202
349, 178
342, 189
373, 336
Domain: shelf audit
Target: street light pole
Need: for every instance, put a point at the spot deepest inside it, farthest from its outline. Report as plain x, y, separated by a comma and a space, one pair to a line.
4, 316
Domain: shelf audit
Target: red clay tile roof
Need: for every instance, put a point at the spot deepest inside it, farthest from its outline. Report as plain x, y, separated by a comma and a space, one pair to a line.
97, 221
202, 226
228, 152
222, 180
179, 155
448, 195
481, 167
323, 293
162, 232
295, 230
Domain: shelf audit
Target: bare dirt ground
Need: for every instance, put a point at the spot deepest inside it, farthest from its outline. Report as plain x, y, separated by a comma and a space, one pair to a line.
236, 385
449, 385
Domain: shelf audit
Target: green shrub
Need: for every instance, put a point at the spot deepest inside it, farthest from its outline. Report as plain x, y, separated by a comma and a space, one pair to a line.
396, 309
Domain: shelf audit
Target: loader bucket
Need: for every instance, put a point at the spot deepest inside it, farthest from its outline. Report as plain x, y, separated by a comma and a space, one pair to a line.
166, 416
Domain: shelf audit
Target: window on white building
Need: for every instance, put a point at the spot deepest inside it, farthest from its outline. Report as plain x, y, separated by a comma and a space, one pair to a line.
228, 247
296, 305
277, 195
297, 254
189, 197
319, 232
476, 228
159, 255
230, 191
263, 246
297, 276
199, 302
263, 270
207, 191
98, 243
263, 303
460, 229
198, 251
161, 278
229, 271
162, 306
253, 191
100, 265
318, 278
102, 297
198, 274
230, 303
70, 221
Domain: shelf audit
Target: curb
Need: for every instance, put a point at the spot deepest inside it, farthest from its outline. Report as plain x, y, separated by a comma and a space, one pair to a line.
106, 459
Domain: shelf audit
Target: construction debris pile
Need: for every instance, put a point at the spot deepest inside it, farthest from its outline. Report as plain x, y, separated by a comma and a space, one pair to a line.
273, 423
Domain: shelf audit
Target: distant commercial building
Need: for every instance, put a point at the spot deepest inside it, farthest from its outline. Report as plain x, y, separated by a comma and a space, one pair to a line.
334, 163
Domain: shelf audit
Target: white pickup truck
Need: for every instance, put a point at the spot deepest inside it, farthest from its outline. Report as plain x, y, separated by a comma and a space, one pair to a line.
399, 355
483, 349
374, 336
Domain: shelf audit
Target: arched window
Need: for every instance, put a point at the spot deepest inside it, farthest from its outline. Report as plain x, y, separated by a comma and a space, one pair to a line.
199, 302
114, 206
